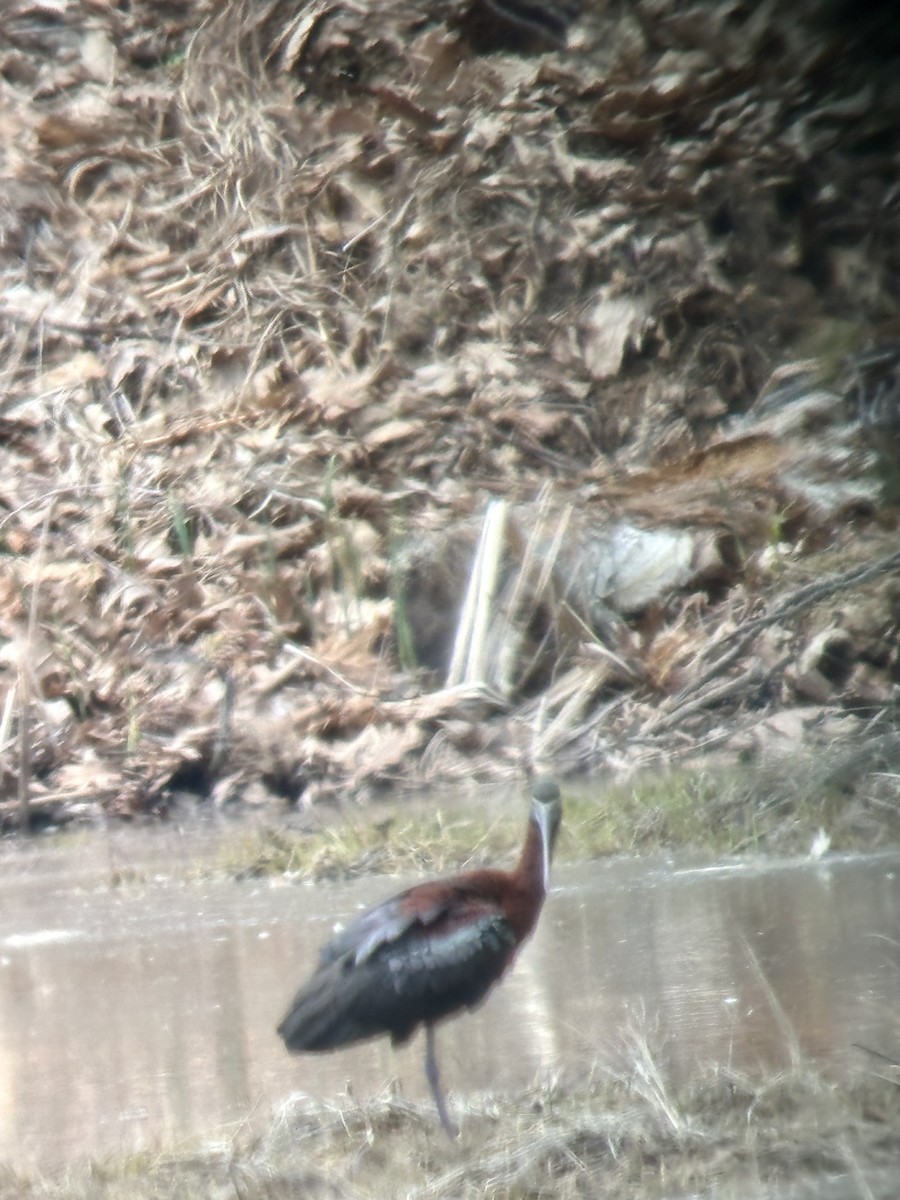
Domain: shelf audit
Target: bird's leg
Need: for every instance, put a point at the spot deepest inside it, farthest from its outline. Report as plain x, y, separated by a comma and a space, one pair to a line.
434, 1082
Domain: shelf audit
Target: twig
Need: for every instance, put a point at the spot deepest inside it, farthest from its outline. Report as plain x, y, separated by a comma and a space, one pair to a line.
876, 1054
24, 773
750, 678
803, 598
782, 1019
308, 657
223, 740
28, 686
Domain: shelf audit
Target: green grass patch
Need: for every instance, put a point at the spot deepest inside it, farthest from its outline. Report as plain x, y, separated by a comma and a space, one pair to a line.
655, 812
710, 810
649, 813
430, 843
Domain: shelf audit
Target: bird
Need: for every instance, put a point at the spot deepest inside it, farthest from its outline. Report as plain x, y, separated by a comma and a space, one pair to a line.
427, 953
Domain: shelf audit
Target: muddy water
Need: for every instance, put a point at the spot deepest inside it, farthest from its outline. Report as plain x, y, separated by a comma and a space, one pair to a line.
140, 1012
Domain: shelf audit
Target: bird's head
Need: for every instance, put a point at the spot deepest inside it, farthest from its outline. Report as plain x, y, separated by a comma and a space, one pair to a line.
546, 812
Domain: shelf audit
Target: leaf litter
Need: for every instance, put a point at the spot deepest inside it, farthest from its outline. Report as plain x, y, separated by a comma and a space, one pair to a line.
401, 394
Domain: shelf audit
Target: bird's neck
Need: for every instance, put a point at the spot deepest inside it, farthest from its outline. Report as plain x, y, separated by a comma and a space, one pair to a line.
529, 875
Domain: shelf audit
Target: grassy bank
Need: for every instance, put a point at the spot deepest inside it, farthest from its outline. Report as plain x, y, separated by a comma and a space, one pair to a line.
798, 1134
709, 810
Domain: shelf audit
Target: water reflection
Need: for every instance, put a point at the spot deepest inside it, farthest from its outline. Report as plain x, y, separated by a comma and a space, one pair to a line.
130, 1016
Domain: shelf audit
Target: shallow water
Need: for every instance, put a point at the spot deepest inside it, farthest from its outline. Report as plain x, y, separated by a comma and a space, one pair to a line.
136, 1014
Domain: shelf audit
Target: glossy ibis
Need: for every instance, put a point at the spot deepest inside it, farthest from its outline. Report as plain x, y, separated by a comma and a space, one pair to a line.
427, 953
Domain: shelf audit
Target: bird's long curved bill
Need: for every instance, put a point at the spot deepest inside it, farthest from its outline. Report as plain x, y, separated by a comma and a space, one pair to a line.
544, 821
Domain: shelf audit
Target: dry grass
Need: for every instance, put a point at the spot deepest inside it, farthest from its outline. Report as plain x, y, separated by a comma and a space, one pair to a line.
727, 1136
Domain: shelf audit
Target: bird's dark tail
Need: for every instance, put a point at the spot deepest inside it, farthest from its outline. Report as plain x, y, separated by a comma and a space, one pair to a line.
334, 1009
313, 1022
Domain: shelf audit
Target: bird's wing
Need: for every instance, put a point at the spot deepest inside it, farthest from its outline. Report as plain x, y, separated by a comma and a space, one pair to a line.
421, 977
384, 924
436, 947
452, 966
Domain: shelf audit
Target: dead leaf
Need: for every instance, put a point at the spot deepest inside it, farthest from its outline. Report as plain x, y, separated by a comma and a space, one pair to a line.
611, 327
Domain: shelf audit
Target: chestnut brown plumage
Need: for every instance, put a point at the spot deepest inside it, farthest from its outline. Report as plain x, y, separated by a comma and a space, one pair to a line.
427, 953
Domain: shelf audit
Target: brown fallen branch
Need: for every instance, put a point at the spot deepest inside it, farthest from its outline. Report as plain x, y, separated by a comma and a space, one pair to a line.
733, 644
725, 690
